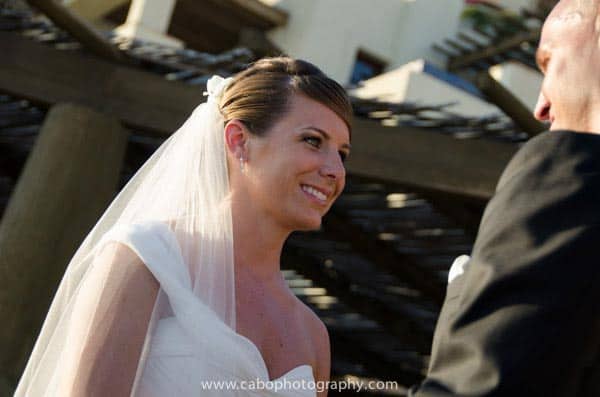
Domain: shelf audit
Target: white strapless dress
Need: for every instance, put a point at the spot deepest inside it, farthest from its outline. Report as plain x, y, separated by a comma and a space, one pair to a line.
194, 353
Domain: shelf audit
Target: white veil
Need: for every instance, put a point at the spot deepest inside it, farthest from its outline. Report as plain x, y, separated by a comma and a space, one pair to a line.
183, 186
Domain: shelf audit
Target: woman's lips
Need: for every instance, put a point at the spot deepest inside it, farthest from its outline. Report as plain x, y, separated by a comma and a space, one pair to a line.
317, 194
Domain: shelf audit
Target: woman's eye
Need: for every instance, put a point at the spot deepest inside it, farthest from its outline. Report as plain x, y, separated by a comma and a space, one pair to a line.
313, 140
343, 156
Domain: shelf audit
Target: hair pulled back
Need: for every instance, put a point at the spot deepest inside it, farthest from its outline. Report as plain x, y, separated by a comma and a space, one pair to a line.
261, 94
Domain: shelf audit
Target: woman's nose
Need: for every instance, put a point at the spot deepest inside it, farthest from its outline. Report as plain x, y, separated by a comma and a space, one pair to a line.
334, 168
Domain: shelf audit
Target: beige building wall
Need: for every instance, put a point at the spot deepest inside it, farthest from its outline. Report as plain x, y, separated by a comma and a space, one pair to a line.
331, 32
516, 5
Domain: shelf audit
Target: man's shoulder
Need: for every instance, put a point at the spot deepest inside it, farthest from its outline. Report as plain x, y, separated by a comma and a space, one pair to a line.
561, 137
549, 190
554, 154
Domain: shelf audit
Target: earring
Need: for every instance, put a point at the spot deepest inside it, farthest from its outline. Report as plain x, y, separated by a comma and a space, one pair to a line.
242, 165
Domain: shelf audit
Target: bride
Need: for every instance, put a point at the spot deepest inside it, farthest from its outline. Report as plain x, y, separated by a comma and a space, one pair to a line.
177, 290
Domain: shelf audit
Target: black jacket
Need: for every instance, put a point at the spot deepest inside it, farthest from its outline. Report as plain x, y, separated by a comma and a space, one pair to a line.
524, 318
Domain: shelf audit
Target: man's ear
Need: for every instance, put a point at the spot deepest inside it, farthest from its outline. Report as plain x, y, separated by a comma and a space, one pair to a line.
236, 138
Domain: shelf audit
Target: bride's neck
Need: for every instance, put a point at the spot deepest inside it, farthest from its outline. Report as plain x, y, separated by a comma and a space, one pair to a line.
257, 243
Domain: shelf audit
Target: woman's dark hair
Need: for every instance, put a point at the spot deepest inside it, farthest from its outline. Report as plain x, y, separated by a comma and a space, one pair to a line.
260, 95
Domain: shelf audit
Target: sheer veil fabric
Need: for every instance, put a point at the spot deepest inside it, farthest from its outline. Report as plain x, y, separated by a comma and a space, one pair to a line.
175, 214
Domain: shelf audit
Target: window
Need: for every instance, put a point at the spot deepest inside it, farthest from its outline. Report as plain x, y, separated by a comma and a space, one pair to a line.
365, 67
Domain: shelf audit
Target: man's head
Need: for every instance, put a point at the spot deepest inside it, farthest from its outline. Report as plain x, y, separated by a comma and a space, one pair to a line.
569, 57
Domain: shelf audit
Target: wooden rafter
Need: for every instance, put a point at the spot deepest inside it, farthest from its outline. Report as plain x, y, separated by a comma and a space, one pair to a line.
139, 99
79, 28
399, 325
403, 155
509, 103
493, 50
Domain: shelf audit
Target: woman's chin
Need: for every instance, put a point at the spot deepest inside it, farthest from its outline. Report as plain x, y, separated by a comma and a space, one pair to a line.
309, 224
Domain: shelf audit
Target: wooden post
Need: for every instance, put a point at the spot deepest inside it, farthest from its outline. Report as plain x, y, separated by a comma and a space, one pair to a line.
70, 177
509, 104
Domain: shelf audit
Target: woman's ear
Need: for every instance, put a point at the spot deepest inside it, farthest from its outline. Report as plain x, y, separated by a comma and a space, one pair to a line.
236, 138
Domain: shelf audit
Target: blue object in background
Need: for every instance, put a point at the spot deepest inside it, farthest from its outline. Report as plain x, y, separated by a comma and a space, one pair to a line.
452, 79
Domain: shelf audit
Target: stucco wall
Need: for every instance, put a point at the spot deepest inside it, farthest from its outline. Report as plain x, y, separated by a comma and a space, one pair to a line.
330, 32
516, 5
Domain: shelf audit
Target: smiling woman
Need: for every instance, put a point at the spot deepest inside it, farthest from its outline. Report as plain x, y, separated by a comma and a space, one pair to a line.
294, 172
289, 127
179, 283
287, 133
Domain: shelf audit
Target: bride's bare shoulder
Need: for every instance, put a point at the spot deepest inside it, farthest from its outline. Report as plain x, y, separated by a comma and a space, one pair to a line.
125, 271
320, 342
115, 250
124, 291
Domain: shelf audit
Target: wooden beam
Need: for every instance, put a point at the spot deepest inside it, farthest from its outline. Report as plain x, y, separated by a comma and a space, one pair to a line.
140, 99
496, 93
427, 159
469, 39
149, 103
462, 49
493, 50
393, 319
443, 50
80, 29
384, 256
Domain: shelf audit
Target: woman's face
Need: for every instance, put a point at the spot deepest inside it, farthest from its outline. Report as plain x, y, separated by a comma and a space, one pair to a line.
295, 171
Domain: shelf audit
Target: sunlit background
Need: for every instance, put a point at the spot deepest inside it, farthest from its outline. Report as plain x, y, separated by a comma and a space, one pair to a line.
442, 90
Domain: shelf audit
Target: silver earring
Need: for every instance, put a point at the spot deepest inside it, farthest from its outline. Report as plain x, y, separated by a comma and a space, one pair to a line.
242, 165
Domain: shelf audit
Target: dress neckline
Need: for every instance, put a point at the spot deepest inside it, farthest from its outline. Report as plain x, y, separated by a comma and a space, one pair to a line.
259, 355
256, 350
